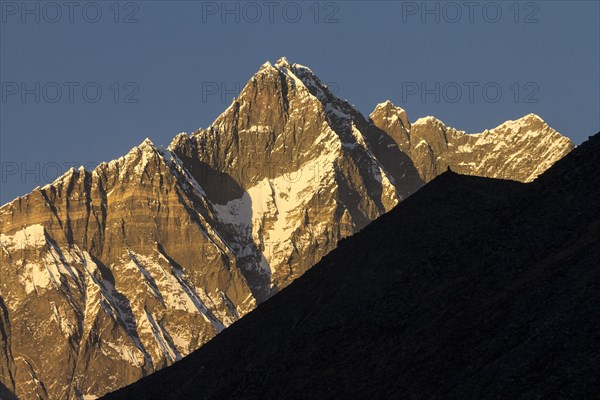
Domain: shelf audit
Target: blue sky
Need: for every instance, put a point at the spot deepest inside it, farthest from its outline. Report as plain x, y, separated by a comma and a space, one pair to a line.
84, 83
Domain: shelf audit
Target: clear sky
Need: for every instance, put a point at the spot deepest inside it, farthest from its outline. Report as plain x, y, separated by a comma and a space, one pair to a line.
163, 67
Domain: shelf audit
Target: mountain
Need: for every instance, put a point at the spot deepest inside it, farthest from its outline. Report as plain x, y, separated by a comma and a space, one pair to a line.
472, 288
517, 150
110, 274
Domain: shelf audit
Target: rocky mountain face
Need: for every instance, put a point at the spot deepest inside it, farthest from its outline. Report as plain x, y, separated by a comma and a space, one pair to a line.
517, 150
111, 274
473, 288
289, 172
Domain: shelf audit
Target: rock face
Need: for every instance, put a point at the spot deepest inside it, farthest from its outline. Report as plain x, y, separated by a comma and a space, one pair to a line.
289, 172
517, 150
111, 274
473, 288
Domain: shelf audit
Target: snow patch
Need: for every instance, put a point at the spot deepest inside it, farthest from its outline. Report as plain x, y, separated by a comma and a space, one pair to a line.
31, 236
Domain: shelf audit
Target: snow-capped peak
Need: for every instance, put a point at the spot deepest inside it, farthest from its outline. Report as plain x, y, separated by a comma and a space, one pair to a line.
282, 174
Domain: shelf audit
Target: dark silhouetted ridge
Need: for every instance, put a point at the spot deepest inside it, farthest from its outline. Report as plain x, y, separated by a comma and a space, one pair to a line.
472, 288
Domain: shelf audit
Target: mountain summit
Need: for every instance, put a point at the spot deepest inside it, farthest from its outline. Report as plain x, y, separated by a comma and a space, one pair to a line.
473, 288
517, 150
111, 274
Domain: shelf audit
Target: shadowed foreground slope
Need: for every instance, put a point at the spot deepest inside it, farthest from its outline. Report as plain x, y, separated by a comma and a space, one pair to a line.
471, 289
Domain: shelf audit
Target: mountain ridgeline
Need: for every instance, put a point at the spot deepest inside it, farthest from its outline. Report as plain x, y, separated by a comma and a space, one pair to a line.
109, 275
473, 288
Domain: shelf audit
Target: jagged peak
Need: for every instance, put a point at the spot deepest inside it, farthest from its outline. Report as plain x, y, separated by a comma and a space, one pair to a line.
531, 117
385, 104
69, 174
303, 68
388, 106
528, 118
512, 125
180, 136
297, 72
179, 139
319, 89
523, 122
282, 67
266, 69
428, 120
301, 75
266, 65
391, 114
147, 143
146, 147
283, 63
141, 153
